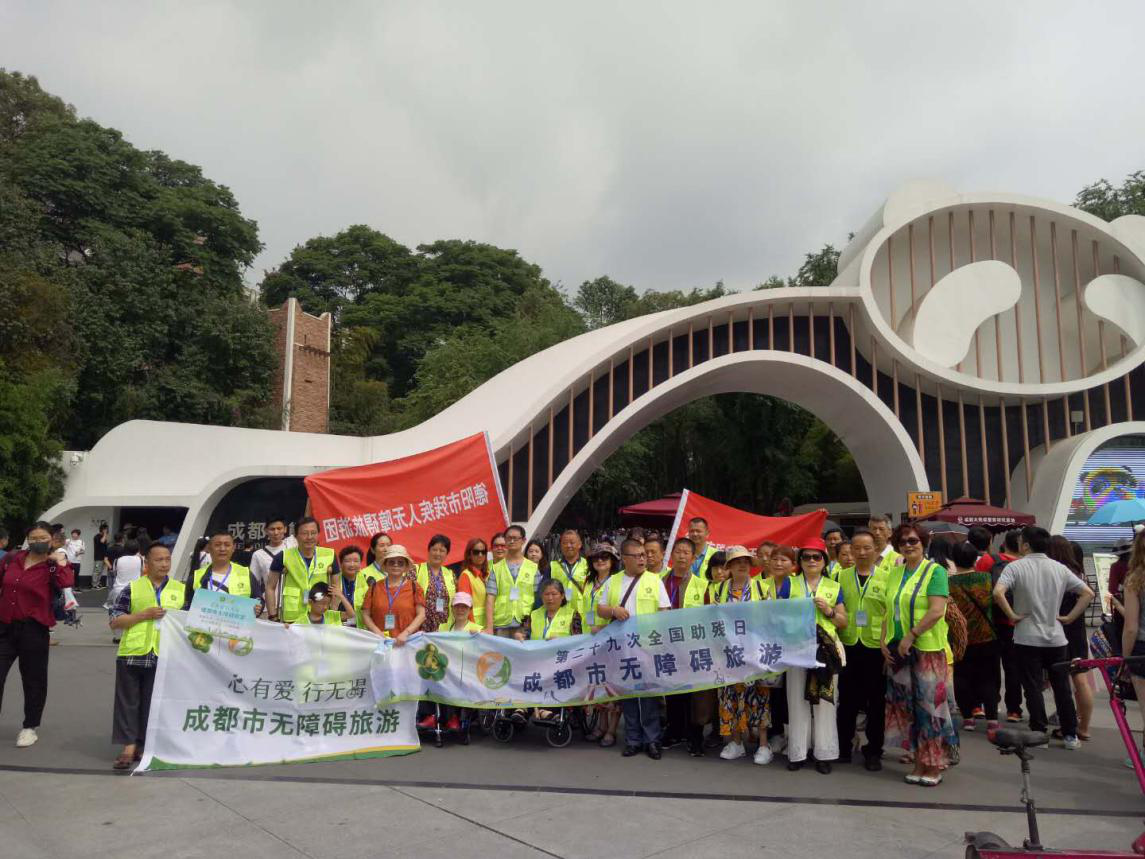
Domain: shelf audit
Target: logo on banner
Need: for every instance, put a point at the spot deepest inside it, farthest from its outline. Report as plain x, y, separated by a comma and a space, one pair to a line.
493, 669
431, 663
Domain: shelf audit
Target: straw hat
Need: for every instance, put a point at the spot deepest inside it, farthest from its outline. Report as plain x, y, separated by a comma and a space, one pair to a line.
398, 551
734, 552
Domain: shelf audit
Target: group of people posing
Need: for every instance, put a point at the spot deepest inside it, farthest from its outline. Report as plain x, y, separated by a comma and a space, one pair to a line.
897, 630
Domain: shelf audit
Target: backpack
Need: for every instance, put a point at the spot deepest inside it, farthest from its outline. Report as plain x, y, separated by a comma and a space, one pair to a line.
957, 635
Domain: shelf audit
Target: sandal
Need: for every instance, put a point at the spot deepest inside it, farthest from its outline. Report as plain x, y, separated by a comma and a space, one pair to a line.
607, 741
123, 762
1085, 737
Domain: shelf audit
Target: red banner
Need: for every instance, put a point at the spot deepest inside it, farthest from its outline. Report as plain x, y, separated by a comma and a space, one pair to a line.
731, 526
451, 490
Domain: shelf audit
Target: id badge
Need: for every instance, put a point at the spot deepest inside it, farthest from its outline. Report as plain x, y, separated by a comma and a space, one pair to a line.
861, 618
514, 594
440, 605
568, 592
389, 621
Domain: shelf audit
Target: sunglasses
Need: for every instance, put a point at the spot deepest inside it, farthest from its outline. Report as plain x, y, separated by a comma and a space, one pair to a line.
909, 541
479, 552
815, 557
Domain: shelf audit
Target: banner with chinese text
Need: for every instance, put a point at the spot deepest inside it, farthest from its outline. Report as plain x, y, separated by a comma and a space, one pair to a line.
281, 695
452, 490
731, 526
671, 651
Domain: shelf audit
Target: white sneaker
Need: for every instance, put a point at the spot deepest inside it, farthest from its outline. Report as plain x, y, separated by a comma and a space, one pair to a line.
762, 755
777, 744
26, 737
732, 751
1071, 743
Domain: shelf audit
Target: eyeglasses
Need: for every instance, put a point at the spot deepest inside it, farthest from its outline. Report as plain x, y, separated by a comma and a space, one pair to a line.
514, 539
498, 545
909, 541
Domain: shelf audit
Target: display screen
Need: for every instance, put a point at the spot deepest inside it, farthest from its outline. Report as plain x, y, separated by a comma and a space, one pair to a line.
1113, 475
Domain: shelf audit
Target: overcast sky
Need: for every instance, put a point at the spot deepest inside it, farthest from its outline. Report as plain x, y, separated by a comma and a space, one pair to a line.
666, 145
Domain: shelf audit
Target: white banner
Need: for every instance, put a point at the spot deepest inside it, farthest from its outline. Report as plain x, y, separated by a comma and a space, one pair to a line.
671, 651
281, 695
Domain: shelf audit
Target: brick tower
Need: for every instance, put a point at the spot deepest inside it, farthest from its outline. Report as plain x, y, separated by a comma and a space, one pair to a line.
302, 386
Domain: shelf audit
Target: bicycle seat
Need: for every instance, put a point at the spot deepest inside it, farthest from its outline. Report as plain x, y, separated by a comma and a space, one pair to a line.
1019, 738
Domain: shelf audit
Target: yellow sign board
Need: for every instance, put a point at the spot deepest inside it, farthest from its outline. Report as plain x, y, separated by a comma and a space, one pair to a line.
922, 504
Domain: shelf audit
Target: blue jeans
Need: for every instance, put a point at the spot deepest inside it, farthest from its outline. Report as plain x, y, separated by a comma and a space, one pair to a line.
641, 721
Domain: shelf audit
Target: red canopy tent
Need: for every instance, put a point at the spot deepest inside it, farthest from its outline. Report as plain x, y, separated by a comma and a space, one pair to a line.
659, 512
972, 511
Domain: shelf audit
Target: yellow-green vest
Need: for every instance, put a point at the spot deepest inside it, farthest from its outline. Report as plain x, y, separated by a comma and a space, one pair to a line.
702, 570
477, 589
574, 586
754, 586
143, 638
297, 579
913, 604
647, 592
470, 626
505, 610
238, 580
828, 589
450, 583
694, 591
869, 597
331, 617
559, 627
590, 602
362, 582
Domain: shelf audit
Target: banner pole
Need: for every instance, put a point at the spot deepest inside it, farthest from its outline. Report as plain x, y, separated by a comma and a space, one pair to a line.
496, 477
679, 515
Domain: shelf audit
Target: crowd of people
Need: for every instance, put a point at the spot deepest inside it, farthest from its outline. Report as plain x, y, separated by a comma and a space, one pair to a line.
917, 635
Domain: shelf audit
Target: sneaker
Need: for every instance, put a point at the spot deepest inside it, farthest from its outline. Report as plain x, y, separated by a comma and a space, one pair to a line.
427, 724
763, 755
453, 724
968, 725
1014, 716
777, 744
978, 713
732, 751
1071, 743
26, 737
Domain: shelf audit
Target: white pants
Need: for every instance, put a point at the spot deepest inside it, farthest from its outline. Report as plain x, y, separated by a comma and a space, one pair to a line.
799, 717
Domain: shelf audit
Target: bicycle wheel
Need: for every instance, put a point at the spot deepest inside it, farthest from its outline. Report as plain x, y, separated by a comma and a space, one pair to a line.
559, 736
503, 730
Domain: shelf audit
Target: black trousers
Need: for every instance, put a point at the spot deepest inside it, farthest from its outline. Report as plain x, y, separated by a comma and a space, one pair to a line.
1033, 661
1011, 671
862, 686
978, 680
26, 642
133, 685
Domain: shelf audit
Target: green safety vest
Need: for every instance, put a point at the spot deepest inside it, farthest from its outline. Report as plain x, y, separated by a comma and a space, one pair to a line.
362, 583
863, 597
694, 591
446, 574
590, 601
828, 589
329, 618
238, 580
477, 589
506, 610
143, 638
574, 586
832, 570
647, 592
754, 586
709, 550
297, 579
910, 603
470, 626
559, 626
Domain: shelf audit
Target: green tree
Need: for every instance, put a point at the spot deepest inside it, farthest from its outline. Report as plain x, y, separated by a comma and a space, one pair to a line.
818, 269
603, 301
1109, 203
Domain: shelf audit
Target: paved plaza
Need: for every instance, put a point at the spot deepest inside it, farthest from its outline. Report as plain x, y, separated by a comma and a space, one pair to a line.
60, 798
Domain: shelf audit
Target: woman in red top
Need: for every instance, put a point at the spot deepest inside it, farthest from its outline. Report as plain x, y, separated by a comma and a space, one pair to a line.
27, 582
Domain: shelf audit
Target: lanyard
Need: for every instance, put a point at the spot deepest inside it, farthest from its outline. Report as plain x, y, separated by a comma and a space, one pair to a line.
674, 588
699, 562
391, 596
212, 585
159, 591
308, 561
592, 598
914, 596
348, 586
569, 570
745, 595
548, 623
862, 589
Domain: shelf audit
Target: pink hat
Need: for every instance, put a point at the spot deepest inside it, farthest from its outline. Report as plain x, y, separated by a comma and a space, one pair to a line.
462, 598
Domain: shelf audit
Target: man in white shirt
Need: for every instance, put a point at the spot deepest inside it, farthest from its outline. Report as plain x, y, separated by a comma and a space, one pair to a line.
128, 567
1037, 584
642, 728
261, 560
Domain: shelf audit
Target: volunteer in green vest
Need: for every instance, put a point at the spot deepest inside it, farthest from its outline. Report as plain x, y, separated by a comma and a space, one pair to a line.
833, 538
556, 618
636, 591
802, 684
604, 561
135, 614
914, 646
437, 583
512, 587
698, 532
845, 555
717, 573
686, 714
319, 600
297, 570
570, 569
879, 524
863, 684
457, 718
654, 549
353, 584
498, 547
379, 545
743, 706
471, 579
222, 574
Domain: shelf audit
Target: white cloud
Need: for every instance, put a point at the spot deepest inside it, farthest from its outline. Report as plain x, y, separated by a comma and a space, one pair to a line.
668, 145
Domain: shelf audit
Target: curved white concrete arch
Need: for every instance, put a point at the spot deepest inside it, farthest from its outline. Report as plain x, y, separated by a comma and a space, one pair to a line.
1056, 472
886, 456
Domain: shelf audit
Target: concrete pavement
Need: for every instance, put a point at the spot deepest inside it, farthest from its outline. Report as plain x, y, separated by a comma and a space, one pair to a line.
60, 798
